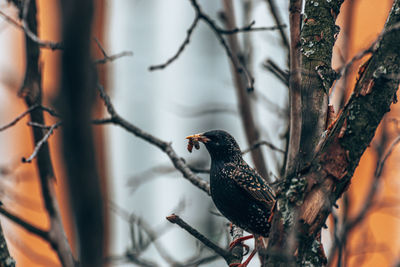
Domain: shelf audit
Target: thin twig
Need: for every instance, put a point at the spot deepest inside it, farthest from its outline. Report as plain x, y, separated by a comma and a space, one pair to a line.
38, 125
250, 28
164, 146
40, 143
219, 32
278, 21
369, 50
19, 117
24, 26
260, 143
277, 71
208, 243
113, 57
106, 58
181, 47
133, 219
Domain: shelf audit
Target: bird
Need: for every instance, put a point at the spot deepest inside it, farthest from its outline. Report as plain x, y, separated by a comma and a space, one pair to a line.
237, 190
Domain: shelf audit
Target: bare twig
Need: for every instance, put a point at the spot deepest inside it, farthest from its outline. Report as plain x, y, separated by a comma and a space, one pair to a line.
24, 26
38, 125
220, 251
164, 146
153, 235
181, 47
106, 58
200, 15
272, 67
278, 21
260, 143
219, 32
19, 117
41, 142
250, 28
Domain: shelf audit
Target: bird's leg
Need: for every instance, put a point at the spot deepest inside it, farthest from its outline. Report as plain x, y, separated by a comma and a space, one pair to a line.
239, 241
246, 262
272, 212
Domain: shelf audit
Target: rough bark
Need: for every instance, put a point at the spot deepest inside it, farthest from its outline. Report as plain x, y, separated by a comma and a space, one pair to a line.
318, 35
305, 200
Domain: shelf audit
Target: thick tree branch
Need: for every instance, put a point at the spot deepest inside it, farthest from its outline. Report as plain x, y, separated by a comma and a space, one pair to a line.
314, 191
295, 121
353, 131
318, 35
75, 102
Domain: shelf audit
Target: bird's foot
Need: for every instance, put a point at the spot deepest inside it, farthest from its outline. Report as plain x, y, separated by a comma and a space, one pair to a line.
240, 241
246, 262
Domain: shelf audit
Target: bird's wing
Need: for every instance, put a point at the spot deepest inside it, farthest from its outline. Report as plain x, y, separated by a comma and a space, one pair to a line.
248, 179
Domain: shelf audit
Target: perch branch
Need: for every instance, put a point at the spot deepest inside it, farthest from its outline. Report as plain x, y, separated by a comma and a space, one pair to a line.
208, 243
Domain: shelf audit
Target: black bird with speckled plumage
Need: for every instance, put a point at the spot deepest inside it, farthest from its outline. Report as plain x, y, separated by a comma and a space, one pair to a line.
237, 190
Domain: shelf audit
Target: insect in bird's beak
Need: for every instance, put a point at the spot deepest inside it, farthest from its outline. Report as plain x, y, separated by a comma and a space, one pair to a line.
194, 141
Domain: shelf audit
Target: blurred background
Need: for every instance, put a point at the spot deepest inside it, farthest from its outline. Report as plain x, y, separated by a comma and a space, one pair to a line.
194, 94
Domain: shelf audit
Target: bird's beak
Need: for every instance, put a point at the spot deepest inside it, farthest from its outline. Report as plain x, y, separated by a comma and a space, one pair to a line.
198, 138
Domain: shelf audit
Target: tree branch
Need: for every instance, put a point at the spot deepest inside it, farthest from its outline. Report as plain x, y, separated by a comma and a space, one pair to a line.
106, 58
353, 130
31, 91
318, 36
87, 193
164, 146
30, 34
26, 225
278, 21
41, 142
228, 257
244, 103
294, 87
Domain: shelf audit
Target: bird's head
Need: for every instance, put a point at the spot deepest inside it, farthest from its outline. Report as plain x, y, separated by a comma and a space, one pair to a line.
220, 144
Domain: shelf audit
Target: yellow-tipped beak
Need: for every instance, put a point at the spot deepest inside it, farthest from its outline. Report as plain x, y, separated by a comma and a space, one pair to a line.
198, 137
